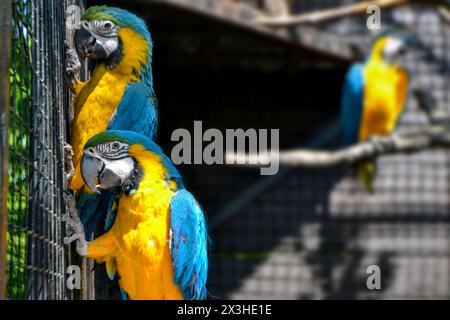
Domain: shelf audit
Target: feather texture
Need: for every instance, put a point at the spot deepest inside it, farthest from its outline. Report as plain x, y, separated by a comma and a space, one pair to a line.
158, 240
118, 98
373, 98
188, 245
137, 111
352, 103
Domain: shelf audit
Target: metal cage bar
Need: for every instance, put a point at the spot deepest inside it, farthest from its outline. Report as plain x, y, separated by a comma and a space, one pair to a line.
5, 39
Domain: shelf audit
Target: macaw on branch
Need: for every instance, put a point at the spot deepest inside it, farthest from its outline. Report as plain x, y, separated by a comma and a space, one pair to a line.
373, 97
119, 94
158, 241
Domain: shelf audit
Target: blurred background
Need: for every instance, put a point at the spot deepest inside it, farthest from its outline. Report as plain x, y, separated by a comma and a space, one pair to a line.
301, 234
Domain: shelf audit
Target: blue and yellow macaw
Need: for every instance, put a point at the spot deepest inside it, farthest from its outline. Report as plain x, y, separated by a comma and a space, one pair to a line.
374, 95
119, 94
158, 241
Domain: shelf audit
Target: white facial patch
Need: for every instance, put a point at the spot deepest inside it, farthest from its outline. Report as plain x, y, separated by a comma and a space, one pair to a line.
392, 48
105, 32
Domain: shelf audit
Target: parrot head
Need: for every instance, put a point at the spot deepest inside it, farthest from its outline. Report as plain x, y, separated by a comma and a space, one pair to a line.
107, 165
98, 36
391, 45
108, 161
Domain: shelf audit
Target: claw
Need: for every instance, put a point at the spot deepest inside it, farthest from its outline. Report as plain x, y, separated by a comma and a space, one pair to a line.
82, 247
74, 226
69, 199
73, 66
72, 238
378, 143
68, 157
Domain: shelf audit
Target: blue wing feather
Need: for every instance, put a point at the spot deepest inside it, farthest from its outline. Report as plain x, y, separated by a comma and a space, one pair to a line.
352, 103
87, 206
189, 242
137, 111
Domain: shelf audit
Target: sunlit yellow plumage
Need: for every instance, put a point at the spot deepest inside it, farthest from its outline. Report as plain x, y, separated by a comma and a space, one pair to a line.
96, 100
138, 242
373, 97
385, 94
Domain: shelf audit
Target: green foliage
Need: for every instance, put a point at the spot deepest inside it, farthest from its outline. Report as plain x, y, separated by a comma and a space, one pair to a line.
19, 146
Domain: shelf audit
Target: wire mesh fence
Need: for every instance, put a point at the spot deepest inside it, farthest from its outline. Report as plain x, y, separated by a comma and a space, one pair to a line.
36, 257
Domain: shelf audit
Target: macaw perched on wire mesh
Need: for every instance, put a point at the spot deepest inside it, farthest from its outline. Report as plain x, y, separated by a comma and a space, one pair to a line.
119, 94
374, 95
158, 242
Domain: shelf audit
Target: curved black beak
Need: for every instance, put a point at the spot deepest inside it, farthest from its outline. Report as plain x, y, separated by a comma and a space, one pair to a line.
86, 43
92, 166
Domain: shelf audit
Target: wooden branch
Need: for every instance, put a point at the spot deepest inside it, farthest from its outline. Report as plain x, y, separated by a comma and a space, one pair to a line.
277, 7
337, 13
414, 141
434, 135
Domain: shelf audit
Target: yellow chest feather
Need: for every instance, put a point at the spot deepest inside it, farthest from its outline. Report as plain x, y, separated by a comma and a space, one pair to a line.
93, 115
142, 234
384, 98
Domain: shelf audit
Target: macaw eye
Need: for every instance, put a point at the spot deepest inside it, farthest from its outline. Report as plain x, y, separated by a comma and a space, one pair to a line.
115, 145
107, 25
